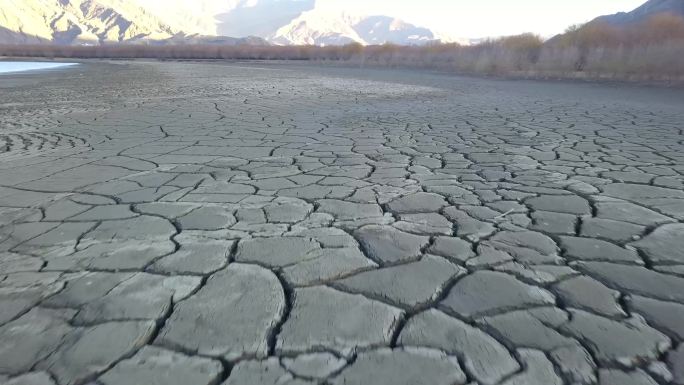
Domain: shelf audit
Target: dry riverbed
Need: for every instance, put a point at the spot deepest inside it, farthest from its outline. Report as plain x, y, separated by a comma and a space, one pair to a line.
241, 224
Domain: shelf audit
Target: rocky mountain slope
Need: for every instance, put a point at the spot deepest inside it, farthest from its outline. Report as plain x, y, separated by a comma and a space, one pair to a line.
79, 22
648, 9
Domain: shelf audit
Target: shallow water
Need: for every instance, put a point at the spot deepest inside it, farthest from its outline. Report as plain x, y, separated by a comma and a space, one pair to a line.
11, 66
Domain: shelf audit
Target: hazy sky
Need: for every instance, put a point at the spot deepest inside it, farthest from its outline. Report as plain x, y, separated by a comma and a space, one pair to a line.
478, 18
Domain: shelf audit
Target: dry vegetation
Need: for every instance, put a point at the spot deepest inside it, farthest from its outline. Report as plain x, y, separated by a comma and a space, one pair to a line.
651, 50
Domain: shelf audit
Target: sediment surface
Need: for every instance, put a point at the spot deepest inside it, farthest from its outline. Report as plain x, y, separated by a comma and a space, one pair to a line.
208, 223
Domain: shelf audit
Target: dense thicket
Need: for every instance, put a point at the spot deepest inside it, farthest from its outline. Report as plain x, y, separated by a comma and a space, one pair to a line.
650, 50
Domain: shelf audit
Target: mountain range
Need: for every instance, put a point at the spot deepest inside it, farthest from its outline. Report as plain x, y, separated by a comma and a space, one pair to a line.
225, 22
282, 22
78, 21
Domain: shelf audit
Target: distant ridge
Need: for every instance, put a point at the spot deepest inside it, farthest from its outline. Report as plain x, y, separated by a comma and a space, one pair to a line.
643, 12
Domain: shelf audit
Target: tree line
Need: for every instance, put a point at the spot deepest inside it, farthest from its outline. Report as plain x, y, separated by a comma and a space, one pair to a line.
648, 50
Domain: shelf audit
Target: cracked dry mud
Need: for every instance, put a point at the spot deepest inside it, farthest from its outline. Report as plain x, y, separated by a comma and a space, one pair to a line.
185, 223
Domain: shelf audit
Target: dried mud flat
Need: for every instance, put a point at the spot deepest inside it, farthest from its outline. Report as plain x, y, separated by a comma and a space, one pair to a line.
185, 223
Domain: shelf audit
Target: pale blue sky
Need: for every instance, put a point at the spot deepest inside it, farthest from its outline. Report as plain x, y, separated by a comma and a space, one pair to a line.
480, 18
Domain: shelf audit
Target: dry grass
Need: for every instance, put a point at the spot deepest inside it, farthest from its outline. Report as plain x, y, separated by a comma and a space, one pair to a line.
652, 50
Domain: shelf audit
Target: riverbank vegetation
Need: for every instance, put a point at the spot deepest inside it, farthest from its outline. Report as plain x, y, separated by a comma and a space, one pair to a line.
652, 50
